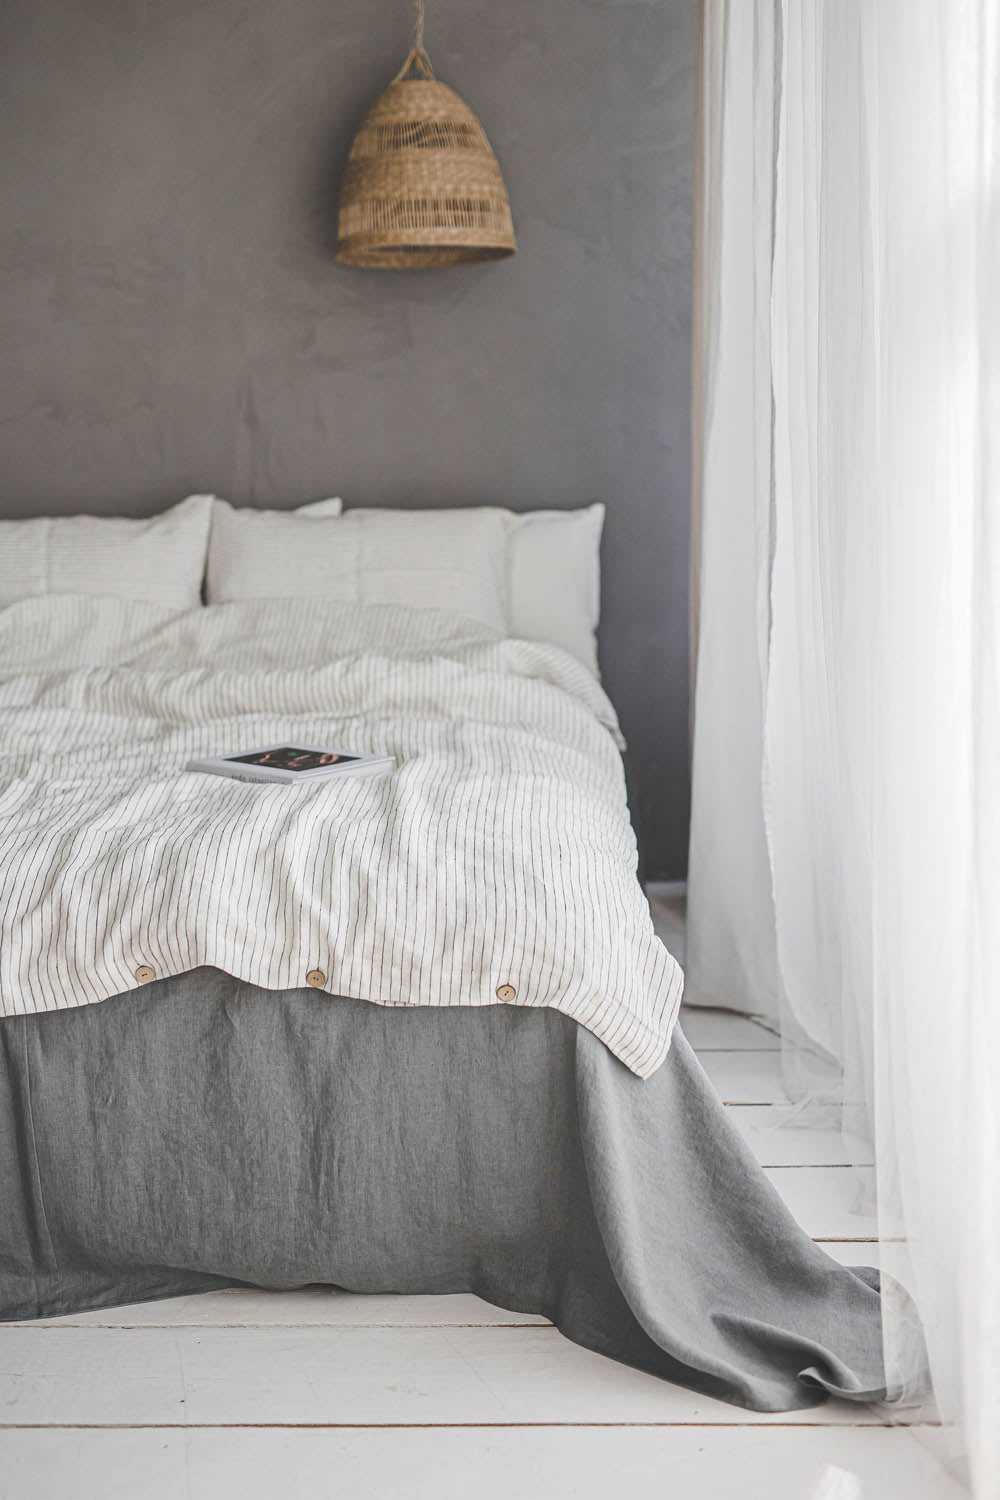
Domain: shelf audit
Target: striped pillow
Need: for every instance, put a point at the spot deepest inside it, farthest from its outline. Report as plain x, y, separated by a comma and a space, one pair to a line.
157, 561
552, 564
439, 559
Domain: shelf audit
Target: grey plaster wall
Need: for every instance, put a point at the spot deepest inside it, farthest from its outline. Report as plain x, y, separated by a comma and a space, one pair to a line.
171, 316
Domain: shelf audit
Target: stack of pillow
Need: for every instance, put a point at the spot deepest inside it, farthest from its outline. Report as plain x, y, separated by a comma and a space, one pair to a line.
534, 575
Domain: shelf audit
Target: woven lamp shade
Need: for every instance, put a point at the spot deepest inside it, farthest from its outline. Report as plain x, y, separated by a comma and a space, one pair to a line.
422, 186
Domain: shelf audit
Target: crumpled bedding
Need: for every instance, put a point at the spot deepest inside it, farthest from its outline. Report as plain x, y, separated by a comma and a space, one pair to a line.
496, 864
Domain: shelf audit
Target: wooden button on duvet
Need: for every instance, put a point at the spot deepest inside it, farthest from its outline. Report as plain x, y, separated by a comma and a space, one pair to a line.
316, 978
506, 993
144, 973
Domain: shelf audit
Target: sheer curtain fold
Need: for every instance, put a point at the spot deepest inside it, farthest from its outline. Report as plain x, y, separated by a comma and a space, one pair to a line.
845, 845
730, 932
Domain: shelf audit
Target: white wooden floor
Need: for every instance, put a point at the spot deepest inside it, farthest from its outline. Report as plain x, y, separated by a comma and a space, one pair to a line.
252, 1395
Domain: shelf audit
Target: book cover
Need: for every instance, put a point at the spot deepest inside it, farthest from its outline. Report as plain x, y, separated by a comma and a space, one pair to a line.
291, 763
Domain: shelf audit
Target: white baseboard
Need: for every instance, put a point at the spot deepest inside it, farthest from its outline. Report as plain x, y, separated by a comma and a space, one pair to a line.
670, 889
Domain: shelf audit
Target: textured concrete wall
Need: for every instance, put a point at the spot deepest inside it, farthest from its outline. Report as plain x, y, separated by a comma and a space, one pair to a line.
171, 316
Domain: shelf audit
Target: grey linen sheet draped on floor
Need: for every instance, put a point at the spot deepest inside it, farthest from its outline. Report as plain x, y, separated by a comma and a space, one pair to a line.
207, 1132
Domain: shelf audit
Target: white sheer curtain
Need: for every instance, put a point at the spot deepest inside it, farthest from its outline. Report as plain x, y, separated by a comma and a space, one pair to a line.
845, 848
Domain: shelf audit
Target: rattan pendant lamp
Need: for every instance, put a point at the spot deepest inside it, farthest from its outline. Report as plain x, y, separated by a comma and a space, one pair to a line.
422, 186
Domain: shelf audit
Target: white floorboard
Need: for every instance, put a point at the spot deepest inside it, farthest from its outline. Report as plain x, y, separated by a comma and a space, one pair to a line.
352, 1376
719, 1030
585, 1464
829, 1202
743, 1077
495, 1464
775, 1143
853, 1252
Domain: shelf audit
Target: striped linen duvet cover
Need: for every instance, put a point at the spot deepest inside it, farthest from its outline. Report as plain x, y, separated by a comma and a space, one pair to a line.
496, 865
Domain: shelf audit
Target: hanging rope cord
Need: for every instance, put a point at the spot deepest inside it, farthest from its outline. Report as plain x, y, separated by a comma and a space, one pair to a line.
417, 57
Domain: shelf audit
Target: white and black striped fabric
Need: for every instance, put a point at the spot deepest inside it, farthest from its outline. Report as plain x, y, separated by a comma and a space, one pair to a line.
161, 559
497, 858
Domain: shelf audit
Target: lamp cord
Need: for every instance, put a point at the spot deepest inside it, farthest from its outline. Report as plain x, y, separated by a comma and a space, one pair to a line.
417, 56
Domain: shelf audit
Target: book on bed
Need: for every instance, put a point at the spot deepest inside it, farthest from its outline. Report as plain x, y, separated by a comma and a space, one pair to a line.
292, 763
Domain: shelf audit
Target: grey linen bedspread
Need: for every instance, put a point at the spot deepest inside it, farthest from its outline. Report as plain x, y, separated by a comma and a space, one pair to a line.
206, 1132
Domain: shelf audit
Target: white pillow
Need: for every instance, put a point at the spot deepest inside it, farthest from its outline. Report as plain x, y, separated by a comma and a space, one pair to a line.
159, 561
426, 559
263, 523
248, 549
552, 571
554, 578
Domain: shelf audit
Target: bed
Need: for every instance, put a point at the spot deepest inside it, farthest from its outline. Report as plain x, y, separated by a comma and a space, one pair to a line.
413, 1034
